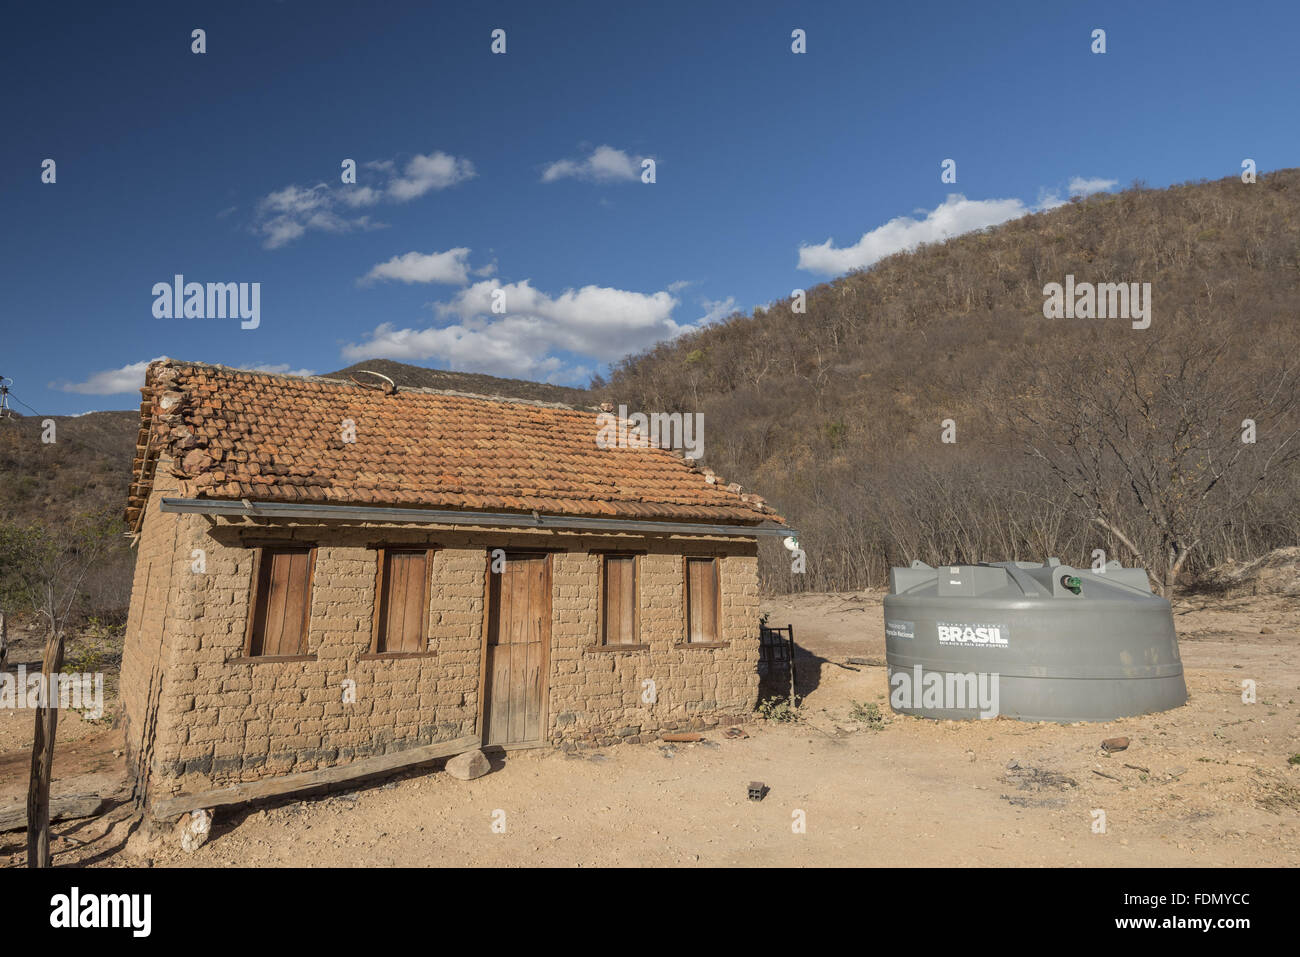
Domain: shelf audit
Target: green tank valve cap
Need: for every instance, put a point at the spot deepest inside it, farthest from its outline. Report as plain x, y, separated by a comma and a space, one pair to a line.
1072, 582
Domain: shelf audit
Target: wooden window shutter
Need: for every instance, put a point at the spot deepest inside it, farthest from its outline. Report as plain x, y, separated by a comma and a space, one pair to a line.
402, 602
282, 607
618, 600
702, 600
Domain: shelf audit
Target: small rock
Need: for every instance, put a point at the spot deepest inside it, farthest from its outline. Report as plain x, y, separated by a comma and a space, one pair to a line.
468, 766
193, 830
1114, 744
1266, 631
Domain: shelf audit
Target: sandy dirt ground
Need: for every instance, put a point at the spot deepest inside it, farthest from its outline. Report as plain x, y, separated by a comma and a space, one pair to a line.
1210, 783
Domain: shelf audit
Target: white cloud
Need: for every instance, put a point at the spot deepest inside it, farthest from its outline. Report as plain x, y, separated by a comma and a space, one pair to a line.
595, 322
605, 165
278, 368
717, 309
451, 267
289, 213
1048, 199
423, 173
1081, 186
954, 216
128, 378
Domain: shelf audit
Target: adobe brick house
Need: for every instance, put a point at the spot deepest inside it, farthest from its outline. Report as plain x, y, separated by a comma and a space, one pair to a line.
327, 572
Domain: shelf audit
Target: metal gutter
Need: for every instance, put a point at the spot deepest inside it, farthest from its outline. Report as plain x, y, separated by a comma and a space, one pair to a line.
247, 509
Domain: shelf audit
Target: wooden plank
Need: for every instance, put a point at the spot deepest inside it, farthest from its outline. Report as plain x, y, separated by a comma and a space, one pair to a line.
533, 654
636, 599
491, 642
256, 605
427, 600
38, 790
544, 666
273, 586
628, 601
702, 599
65, 807
396, 610
521, 632
295, 584
611, 613
496, 711
377, 624
306, 602
413, 595
292, 783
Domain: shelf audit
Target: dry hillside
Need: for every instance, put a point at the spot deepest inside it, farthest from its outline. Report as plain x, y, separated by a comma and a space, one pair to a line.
1072, 435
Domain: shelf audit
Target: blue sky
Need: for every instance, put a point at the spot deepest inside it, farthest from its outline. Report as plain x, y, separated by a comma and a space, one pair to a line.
522, 171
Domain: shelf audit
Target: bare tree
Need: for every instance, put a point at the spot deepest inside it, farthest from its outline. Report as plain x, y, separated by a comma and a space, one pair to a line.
43, 567
1160, 438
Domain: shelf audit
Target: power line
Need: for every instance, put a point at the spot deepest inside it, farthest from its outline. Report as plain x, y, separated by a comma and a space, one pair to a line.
24, 405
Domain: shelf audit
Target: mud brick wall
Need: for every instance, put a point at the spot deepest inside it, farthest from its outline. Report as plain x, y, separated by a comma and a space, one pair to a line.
145, 650
223, 719
597, 696
226, 718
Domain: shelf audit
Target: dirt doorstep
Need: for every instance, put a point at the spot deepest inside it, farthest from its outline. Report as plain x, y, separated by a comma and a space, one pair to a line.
1206, 784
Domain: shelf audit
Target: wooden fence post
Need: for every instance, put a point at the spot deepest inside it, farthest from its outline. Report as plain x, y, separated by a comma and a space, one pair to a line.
38, 791
793, 702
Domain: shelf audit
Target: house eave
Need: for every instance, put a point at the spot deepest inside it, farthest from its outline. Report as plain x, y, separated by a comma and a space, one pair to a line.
423, 516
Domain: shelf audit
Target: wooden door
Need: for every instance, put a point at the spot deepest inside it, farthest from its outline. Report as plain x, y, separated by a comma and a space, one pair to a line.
517, 642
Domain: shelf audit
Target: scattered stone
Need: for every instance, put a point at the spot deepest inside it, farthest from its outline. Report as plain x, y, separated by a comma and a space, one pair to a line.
1114, 744
735, 733
193, 830
1266, 631
468, 766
